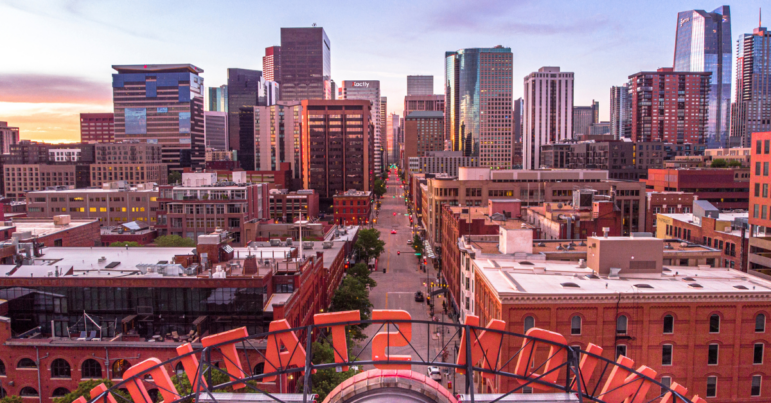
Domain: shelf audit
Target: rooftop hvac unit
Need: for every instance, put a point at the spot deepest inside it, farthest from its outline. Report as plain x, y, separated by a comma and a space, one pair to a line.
327, 245
614, 271
275, 242
289, 242
307, 245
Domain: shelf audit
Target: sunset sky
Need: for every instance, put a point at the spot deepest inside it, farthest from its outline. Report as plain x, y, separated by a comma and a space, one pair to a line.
56, 55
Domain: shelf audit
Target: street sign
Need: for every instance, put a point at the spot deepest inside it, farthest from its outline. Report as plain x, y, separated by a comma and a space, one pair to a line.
417, 254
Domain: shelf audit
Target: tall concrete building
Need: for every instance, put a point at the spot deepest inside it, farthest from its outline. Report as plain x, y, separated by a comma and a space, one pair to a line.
161, 104
392, 129
620, 112
752, 109
681, 112
96, 128
433, 102
420, 85
517, 122
8, 137
369, 90
216, 130
243, 91
703, 44
276, 138
218, 98
306, 66
548, 112
423, 132
478, 98
583, 117
384, 132
271, 63
337, 147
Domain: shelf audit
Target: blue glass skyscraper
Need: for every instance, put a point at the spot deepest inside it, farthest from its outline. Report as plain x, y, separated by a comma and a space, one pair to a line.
703, 44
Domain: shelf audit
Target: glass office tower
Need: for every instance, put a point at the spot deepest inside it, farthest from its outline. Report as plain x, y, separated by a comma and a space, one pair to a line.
243, 91
306, 67
218, 99
703, 44
478, 98
752, 108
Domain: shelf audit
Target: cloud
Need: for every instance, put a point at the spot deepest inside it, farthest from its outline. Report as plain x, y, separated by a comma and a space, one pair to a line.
43, 88
56, 122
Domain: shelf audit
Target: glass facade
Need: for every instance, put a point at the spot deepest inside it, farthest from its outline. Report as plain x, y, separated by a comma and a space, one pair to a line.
218, 99
752, 111
703, 44
243, 91
136, 120
306, 65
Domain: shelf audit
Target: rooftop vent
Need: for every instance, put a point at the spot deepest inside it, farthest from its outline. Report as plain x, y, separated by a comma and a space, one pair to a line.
582, 243
327, 245
741, 287
614, 272
667, 246
582, 263
112, 265
541, 244
689, 279
666, 270
643, 286
570, 285
592, 276
526, 263
695, 285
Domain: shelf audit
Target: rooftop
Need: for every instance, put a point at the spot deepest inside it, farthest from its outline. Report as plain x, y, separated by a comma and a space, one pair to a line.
144, 68
425, 114
481, 213
358, 193
41, 227
724, 221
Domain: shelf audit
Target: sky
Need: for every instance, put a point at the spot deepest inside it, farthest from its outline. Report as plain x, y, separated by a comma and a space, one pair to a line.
57, 55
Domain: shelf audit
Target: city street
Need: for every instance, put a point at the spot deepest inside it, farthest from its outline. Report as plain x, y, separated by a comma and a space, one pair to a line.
397, 286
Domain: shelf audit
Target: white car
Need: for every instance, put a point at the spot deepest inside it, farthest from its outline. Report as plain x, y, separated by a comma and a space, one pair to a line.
409, 242
434, 373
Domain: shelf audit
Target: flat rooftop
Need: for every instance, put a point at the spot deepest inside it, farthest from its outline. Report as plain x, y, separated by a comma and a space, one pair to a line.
481, 213
90, 190
141, 68
727, 217
41, 227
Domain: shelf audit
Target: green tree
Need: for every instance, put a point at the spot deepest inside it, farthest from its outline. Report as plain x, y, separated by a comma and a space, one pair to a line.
352, 295
131, 244
84, 389
361, 272
417, 244
183, 386
719, 163
734, 164
174, 241
379, 188
11, 399
368, 244
325, 380
175, 177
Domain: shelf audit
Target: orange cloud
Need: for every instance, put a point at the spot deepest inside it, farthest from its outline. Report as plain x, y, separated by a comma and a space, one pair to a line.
44, 88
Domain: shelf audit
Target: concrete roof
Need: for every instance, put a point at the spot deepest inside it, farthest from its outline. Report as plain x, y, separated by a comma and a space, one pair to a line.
688, 218
90, 191
41, 227
276, 298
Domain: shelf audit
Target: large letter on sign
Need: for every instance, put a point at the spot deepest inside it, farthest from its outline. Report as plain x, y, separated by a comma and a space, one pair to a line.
190, 363
587, 365
485, 347
556, 357
294, 356
398, 338
232, 361
623, 386
98, 390
161, 378
669, 396
339, 341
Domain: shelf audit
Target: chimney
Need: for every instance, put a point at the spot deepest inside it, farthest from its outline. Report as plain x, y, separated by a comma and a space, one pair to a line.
250, 265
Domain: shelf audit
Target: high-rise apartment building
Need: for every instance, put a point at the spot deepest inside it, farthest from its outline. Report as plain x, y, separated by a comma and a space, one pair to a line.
218, 99
306, 66
620, 112
669, 106
216, 130
337, 147
369, 90
423, 132
97, 128
703, 44
276, 138
393, 129
517, 122
420, 85
133, 162
752, 109
548, 112
271, 63
478, 98
384, 133
8, 137
161, 104
583, 116
434, 102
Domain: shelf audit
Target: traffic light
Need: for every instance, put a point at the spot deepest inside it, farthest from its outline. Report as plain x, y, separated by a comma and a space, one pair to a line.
425, 260
428, 300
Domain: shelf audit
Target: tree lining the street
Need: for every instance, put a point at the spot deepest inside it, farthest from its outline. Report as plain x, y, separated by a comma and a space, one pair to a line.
379, 188
369, 245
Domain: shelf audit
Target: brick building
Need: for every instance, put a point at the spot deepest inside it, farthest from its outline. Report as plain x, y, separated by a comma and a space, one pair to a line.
705, 327
423, 133
21, 179
114, 204
760, 206
59, 231
282, 178
666, 202
353, 207
97, 128
669, 106
135, 231
724, 188
622, 159
132, 162
286, 206
558, 221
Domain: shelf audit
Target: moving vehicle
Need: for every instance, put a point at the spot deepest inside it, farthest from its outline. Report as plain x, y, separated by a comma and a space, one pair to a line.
434, 373
393, 231
419, 296
398, 253
409, 242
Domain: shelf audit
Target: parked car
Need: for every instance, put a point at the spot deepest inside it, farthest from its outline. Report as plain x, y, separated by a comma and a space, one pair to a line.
409, 242
418, 296
393, 231
434, 373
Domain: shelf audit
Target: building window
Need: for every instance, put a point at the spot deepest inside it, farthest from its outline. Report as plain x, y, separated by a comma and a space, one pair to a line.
757, 354
711, 386
2, 369
59, 392
714, 324
91, 369
529, 322
620, 350
760, 323
766, 146
666, 354
669, 324
26, 363
756, 381
621, 323
712, 354
28, 392
575, 325
60, 369
666, 381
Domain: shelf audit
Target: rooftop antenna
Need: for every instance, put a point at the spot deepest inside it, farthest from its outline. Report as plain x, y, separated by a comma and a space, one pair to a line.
314, 24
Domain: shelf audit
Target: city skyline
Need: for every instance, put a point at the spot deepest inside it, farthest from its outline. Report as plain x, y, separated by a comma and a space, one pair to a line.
593, 40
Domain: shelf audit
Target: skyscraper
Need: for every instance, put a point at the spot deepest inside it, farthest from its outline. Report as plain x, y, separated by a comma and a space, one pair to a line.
306, 69
620, 112
161, 104
384, 132
277, 138
517, 123
478, 96
216, 124
703, 44
369, 90
218, 99
548, 112
583, 117
97, 128
243, 91
752, 110
420, 85
423, 132
271, 63
393, 138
